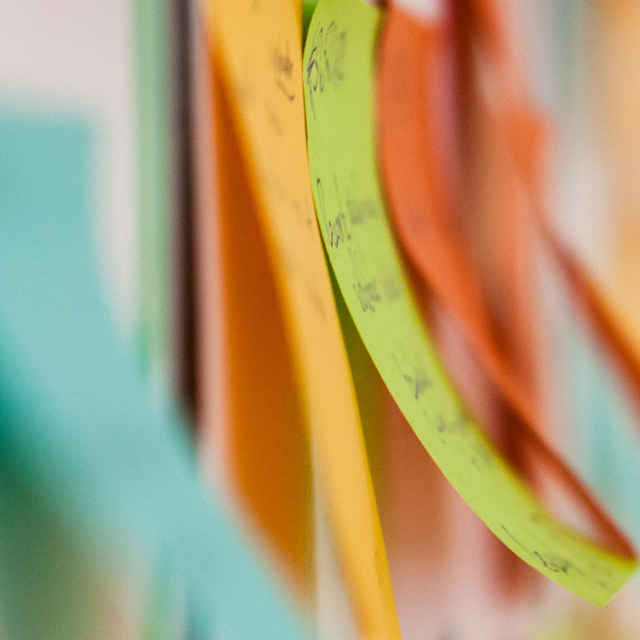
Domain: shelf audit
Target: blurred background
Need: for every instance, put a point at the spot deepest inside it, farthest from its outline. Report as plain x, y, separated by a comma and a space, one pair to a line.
147, 488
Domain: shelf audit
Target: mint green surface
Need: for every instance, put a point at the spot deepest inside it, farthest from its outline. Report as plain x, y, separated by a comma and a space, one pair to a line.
604, 441
92, 474
339, 65
153, 101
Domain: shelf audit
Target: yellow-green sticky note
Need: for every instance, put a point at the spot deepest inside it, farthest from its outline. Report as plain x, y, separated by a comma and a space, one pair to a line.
339, 64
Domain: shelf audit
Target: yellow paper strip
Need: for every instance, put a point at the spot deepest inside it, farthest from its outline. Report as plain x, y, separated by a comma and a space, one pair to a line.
339, 64
255, 356
259, 43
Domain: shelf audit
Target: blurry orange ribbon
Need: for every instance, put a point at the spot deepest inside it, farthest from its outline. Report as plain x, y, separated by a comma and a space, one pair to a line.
424, 177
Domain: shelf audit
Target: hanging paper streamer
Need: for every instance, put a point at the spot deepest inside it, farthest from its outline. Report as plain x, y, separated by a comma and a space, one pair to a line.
259, 46
424, 133
427, 227
338, 76
422, 194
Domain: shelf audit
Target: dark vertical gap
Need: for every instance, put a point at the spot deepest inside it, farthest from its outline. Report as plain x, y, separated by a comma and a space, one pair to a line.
462, 28
184, 259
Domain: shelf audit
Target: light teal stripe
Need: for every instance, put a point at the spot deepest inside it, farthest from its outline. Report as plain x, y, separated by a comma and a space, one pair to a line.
79, 437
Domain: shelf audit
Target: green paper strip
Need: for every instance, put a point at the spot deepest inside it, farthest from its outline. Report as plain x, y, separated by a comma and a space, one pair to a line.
152, 36
339, 65
308, 7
